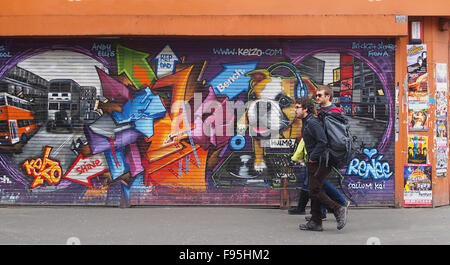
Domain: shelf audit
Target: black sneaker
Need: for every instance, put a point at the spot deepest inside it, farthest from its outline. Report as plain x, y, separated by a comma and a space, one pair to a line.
296, 211
311, 226
341, 216
323, 217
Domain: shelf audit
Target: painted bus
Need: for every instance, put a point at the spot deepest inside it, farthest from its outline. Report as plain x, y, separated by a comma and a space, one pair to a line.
17, 122
63, 104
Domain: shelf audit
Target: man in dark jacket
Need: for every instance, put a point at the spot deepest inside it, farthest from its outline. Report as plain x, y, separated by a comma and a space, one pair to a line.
315, 144
324, 97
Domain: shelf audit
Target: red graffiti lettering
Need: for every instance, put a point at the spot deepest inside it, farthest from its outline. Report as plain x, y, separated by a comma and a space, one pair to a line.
86, 167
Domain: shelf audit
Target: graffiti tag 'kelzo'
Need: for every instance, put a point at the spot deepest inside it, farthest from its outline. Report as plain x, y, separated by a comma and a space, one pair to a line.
43, 169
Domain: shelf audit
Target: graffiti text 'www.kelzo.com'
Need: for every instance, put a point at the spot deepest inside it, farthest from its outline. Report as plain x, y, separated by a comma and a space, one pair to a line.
247, 51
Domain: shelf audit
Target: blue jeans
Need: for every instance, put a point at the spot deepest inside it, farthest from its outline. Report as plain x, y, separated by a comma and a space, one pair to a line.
329, 189
334, 193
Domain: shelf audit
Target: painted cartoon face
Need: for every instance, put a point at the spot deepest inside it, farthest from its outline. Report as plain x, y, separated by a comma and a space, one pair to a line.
271, 104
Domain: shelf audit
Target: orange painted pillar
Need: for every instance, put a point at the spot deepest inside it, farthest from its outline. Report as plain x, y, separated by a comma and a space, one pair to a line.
401, 106
437, 45
436, 37
448, 74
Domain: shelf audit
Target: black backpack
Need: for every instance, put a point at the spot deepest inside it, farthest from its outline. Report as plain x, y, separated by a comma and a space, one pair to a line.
340, 150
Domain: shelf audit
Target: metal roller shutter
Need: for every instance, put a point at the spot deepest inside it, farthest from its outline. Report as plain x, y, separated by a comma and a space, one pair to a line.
157, 121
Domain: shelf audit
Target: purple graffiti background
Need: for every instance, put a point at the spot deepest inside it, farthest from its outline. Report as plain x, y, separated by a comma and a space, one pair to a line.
210, 55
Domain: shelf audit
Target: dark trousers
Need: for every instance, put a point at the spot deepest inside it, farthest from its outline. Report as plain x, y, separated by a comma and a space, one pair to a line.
316, 178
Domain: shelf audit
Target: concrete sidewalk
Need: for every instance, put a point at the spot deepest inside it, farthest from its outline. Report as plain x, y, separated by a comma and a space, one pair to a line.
199, 225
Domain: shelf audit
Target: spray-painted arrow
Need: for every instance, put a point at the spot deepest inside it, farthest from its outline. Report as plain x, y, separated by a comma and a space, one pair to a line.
86, 168
134, 64
232, 80
165, 62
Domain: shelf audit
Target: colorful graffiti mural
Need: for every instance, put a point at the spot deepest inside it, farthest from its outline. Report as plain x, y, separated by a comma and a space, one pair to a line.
179, 121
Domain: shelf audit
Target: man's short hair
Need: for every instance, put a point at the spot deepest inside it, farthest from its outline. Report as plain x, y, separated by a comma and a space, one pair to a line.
327, 90
306, 103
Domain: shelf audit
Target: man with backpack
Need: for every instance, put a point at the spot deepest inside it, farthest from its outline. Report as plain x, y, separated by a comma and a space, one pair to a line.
340, 150
316, 143
324, 96
299, 157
